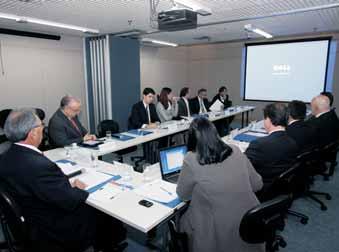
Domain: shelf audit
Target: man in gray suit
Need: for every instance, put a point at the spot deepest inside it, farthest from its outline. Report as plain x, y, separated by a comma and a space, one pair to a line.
64, 127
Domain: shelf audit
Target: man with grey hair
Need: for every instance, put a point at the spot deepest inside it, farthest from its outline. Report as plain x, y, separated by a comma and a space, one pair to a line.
64, 127
325, 121
55, 211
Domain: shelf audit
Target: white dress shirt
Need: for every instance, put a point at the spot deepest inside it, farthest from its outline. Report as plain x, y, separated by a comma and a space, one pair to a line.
29, 147
202, 106
187, 106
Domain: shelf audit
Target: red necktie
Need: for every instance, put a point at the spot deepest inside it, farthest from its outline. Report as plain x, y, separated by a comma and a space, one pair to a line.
75, 126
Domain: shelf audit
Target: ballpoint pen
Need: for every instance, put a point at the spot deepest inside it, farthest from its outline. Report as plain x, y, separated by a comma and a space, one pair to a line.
166, 191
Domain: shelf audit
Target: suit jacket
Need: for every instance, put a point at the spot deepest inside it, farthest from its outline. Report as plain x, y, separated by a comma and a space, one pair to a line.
195, 105
227, 103
62, 132
303, 134
272, 155
326, 127
53, 209
219, 194
182, 108
139, 116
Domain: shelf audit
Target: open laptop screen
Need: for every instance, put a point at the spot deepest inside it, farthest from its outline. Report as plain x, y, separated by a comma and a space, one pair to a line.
171, 159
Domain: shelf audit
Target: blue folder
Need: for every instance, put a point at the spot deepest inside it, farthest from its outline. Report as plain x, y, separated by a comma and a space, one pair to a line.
139, 132
122, 137
245, 137
171, 204
65, 161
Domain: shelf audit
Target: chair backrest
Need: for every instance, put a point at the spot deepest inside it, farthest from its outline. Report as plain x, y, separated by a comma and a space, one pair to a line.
40, 113
329, 151
107, 125
287, 182
260, 223
12, 220
3, 116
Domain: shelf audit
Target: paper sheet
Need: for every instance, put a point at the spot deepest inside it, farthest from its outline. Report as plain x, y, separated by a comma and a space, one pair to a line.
92, 178
158, 190
217, 106
107, 193
68, 168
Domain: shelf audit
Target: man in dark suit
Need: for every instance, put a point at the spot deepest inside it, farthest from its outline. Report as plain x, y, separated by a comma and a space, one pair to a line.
324, 120
200, 104
64, 127
223, 97
183, 103
300, 131
275, 153
144, 114
54, 209
223, 124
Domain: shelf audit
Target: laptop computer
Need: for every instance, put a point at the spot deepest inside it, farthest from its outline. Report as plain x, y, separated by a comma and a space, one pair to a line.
171, 161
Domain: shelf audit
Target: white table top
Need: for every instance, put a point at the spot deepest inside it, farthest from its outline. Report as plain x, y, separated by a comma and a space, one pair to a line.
125, 205
174, 127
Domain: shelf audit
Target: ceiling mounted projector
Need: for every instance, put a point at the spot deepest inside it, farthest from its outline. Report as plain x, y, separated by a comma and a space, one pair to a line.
177, 19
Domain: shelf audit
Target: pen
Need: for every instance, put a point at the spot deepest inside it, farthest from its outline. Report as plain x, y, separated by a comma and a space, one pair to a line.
166, 190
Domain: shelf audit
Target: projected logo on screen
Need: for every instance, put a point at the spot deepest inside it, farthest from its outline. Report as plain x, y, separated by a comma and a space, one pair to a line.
283, 69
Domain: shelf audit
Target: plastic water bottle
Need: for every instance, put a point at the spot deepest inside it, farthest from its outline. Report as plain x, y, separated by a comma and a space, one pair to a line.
94, 160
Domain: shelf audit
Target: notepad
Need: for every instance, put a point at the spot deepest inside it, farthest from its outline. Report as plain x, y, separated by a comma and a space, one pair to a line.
122, 137
139, 132
69, 168
158, 190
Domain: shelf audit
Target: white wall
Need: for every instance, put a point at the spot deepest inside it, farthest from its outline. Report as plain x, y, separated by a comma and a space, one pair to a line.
208, 66
38, 72
162, 67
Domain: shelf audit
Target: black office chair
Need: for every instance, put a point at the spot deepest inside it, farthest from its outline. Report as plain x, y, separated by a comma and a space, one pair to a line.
291, 182
261, 223
3, 116
328, 155
13, 224
179, 240
311, 162
111, 125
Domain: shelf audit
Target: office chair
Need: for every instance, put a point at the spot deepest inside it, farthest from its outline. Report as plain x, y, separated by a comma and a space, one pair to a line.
3, 116
13, 224
111, 125
328, 155
261, 223
310, 161
290, 183
179, 240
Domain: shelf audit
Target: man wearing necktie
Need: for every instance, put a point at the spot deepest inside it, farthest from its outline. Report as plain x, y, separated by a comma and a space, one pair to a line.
143, 114
200, 104
64, 127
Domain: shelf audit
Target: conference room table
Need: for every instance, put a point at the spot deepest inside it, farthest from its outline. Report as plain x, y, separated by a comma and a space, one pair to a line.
125, 205
167, 129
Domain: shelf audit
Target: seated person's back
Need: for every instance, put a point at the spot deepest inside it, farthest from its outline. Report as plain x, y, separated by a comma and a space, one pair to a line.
275, 153
48, 200
300, 131
219, 182
325, 121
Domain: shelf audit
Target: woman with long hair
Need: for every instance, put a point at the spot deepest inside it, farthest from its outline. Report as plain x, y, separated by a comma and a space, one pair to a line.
167, 107
220, 183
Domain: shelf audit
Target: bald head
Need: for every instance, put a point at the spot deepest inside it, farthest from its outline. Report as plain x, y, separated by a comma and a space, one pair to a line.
320, 104
71, 106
